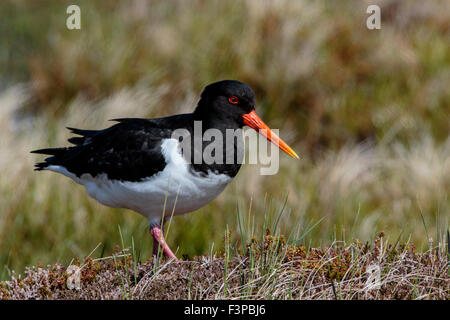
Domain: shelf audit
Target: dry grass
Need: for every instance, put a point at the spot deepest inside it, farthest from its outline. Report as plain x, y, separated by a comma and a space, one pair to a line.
272, 270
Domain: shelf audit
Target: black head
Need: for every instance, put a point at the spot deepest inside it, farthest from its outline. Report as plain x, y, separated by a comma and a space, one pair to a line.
226, 100
230, 104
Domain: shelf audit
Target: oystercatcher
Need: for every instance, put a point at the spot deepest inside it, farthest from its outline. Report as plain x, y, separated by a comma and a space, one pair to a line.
137, 164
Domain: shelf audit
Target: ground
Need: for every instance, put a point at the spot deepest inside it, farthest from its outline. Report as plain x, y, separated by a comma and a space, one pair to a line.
271, 269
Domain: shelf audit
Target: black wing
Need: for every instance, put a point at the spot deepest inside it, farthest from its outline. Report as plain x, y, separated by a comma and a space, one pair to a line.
127, 151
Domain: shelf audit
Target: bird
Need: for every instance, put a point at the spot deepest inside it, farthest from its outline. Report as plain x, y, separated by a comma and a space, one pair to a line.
137, 163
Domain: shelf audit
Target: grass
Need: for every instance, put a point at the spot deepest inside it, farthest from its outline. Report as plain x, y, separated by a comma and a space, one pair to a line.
271, 269
367, 111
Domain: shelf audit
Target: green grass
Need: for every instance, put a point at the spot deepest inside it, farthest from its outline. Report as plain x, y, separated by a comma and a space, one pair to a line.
366, 110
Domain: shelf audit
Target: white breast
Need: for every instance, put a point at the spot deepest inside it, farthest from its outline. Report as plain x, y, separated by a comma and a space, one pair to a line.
175, 188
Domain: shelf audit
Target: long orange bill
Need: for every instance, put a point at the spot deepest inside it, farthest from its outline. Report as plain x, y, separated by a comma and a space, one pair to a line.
252, 120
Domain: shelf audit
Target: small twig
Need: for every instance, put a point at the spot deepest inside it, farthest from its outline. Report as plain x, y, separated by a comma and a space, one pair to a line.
334, 290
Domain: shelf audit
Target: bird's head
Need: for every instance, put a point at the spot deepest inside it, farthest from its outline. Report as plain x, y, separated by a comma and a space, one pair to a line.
233, 103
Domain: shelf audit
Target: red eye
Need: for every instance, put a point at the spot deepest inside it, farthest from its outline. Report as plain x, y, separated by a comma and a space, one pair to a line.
233, 100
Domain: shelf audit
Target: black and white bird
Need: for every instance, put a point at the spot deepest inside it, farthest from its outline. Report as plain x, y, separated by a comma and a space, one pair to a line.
137, 164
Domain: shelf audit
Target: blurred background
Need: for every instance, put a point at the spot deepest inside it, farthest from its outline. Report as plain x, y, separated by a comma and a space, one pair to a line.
367, 110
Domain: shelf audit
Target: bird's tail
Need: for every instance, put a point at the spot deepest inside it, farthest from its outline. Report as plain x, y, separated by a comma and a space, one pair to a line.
54, 152
58, 153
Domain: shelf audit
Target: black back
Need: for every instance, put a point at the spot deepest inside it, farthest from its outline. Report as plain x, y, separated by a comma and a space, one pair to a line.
131, 149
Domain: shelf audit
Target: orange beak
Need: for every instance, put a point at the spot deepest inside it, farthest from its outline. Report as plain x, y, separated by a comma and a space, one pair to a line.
252, 120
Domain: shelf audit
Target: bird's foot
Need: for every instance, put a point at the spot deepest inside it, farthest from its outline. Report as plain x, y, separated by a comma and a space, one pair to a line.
158, 241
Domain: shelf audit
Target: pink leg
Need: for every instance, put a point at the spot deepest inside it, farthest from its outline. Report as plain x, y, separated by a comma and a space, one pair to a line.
158, 238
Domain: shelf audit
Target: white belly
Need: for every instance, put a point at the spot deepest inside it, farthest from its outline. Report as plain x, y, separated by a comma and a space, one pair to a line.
175, 189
